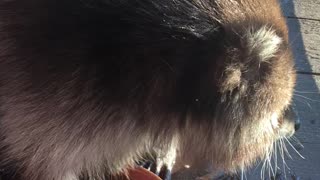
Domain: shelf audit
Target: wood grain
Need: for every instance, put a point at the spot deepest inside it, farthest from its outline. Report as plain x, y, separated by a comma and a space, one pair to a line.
301, 8
305, 42
304, 26
304, 30
307, 100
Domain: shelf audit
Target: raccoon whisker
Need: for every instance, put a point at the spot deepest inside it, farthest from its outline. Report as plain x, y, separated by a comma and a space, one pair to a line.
285, 163
296, 140
263, 169
242, 172
306, 92
280, 145
286, 150
294, 148
305, 102
304, 97
275, 154
258, 164
266, 164
243, 175
271, 170
271, 161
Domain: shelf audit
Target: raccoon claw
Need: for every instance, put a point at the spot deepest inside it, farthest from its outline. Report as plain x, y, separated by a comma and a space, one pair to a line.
157, 168
165, 173
147, 164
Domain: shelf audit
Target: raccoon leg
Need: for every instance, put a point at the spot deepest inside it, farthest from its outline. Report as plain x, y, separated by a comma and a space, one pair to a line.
165, 161
161, 160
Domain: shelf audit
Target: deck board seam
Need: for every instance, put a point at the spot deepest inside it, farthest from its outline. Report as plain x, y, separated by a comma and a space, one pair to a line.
302, 18
308, 73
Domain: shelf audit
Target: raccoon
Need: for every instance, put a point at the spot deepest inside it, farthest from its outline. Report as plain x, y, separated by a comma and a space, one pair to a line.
89, 87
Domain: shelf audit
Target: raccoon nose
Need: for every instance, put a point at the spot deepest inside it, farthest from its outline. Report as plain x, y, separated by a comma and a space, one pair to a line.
291, 122
295, 118
297, 123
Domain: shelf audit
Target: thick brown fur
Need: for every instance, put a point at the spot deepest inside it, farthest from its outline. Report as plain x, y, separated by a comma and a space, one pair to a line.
89, 87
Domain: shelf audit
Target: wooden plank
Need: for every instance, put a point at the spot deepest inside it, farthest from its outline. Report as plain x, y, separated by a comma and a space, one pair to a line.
302, 169
307, 100
305, 42
308, 168
301, 8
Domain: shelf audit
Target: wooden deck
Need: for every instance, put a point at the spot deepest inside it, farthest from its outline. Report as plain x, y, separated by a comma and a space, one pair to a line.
303, 19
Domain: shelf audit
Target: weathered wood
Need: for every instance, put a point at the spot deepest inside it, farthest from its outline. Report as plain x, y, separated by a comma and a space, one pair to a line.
305, 41
301, 169
301, 8
304, 26
307, 100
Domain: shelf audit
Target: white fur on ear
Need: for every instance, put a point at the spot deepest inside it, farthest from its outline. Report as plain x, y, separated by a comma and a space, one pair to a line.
264, 41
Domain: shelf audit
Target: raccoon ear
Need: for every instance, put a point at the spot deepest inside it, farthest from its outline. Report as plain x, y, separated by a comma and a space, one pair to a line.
263, 42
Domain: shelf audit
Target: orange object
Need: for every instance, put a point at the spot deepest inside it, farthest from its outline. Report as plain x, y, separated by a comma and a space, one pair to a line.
142, 174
